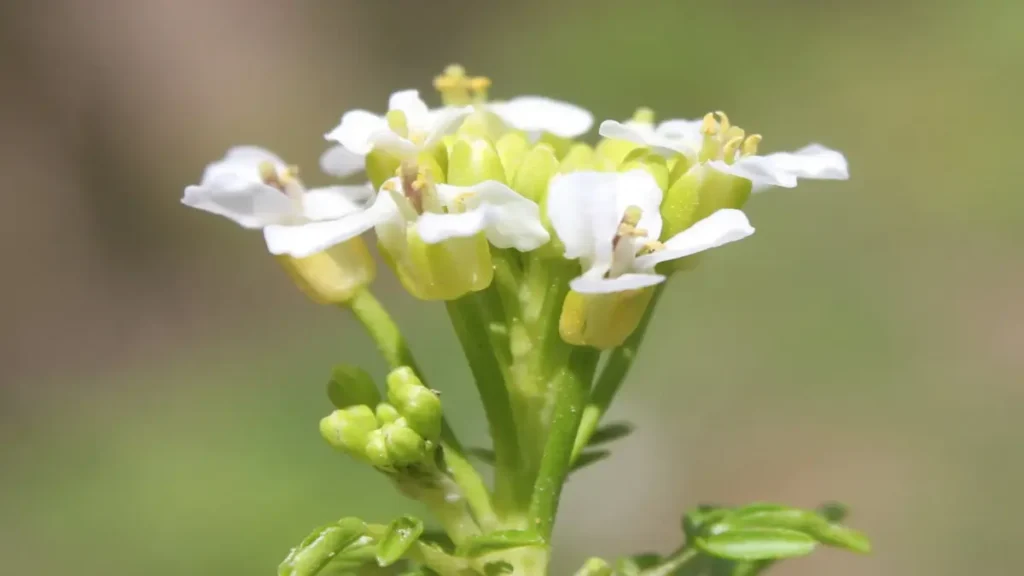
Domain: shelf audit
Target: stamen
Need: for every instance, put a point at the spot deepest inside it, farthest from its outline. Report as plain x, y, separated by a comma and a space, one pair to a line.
710, 125
268, 173
724, 120
643, 115
454, 86
750, 145
479, 85
650, 247
730, 148
733, 132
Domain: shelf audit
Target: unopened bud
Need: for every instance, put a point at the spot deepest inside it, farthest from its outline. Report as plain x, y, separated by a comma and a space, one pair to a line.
650, 162
386, 413
376, 450
512, 149
420, 407
348, 429
539, 165
474, 160
595, 567
579, 157
352, 386
405, 447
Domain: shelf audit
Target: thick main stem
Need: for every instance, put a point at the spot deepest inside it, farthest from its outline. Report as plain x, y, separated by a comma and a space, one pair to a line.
570, 394
392, 346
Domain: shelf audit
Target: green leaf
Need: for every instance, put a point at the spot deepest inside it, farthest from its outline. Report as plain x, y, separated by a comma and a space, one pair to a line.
595, 567
317, 549
634, 565
589, 457
756, 543
400, 535
695, 521
610, 433
808, 522
352, 386
497, 541
833, 511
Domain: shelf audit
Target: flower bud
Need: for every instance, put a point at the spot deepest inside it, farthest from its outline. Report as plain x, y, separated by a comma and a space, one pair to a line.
405, 447
443, 271
348, 429
539, 165
579, 157
680, 204
420, 406
335, 275
482, 123
602, 321
718, 190
611, 152
512, 149
474, 160
594, 567
650, 162
380, 166
386, 413
376, 450
352, 386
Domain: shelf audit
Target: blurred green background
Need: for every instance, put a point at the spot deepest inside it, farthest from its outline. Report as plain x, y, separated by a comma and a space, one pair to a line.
162, 380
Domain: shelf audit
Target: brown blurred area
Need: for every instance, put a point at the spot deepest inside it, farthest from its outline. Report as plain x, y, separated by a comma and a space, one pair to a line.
160, 375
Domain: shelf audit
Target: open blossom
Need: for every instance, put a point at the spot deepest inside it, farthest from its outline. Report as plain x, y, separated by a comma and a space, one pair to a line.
611, 223
256, 189
408, 128
715, 143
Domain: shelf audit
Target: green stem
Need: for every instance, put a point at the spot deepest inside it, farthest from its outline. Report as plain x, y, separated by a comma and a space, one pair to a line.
570, 394
469, 320
389, 340
614, 374
672, 563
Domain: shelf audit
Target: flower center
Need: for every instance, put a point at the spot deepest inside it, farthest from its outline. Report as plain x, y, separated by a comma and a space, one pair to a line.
723, 141
286, 180
415, 193
398, 123
623, 248
458, 89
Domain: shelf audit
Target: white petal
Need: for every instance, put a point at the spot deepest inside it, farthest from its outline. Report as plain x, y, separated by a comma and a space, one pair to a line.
334, 202
760, 170
582, 210
629, 131
588, 285
720, 228
394, 144
341, 162
356, 129
512, 220
444, 121
682, 136
240, 167
539, 114
417, 115
252, 206
434, 228
308, 239
814, 161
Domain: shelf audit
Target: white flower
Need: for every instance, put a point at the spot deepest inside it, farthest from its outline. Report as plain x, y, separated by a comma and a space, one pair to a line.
726, 148
506, 218
536, 115
256, 189
408, 128
611, 223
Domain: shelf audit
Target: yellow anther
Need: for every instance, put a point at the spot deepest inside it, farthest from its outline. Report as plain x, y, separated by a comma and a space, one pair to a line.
479, 83
389, 186
730, 148
632, 215
732, 132
652, 246
643, 116
459, 202
750, 144
453, 77
724, 120
268, 174
710, 125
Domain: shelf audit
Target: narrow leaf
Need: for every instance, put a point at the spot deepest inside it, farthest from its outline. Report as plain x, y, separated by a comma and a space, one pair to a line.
610, 433
400, 535
757, 543
497, 541
313, 553
589, 457
811, 523
498, 568
695, 521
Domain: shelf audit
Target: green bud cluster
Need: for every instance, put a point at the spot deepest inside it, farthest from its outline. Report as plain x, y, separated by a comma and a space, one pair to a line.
392, 436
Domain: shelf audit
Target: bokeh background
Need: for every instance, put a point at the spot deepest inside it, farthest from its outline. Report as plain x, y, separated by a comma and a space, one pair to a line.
162, 380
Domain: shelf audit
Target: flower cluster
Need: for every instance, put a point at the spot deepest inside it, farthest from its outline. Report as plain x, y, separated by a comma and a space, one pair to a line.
451, 188
548, 252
